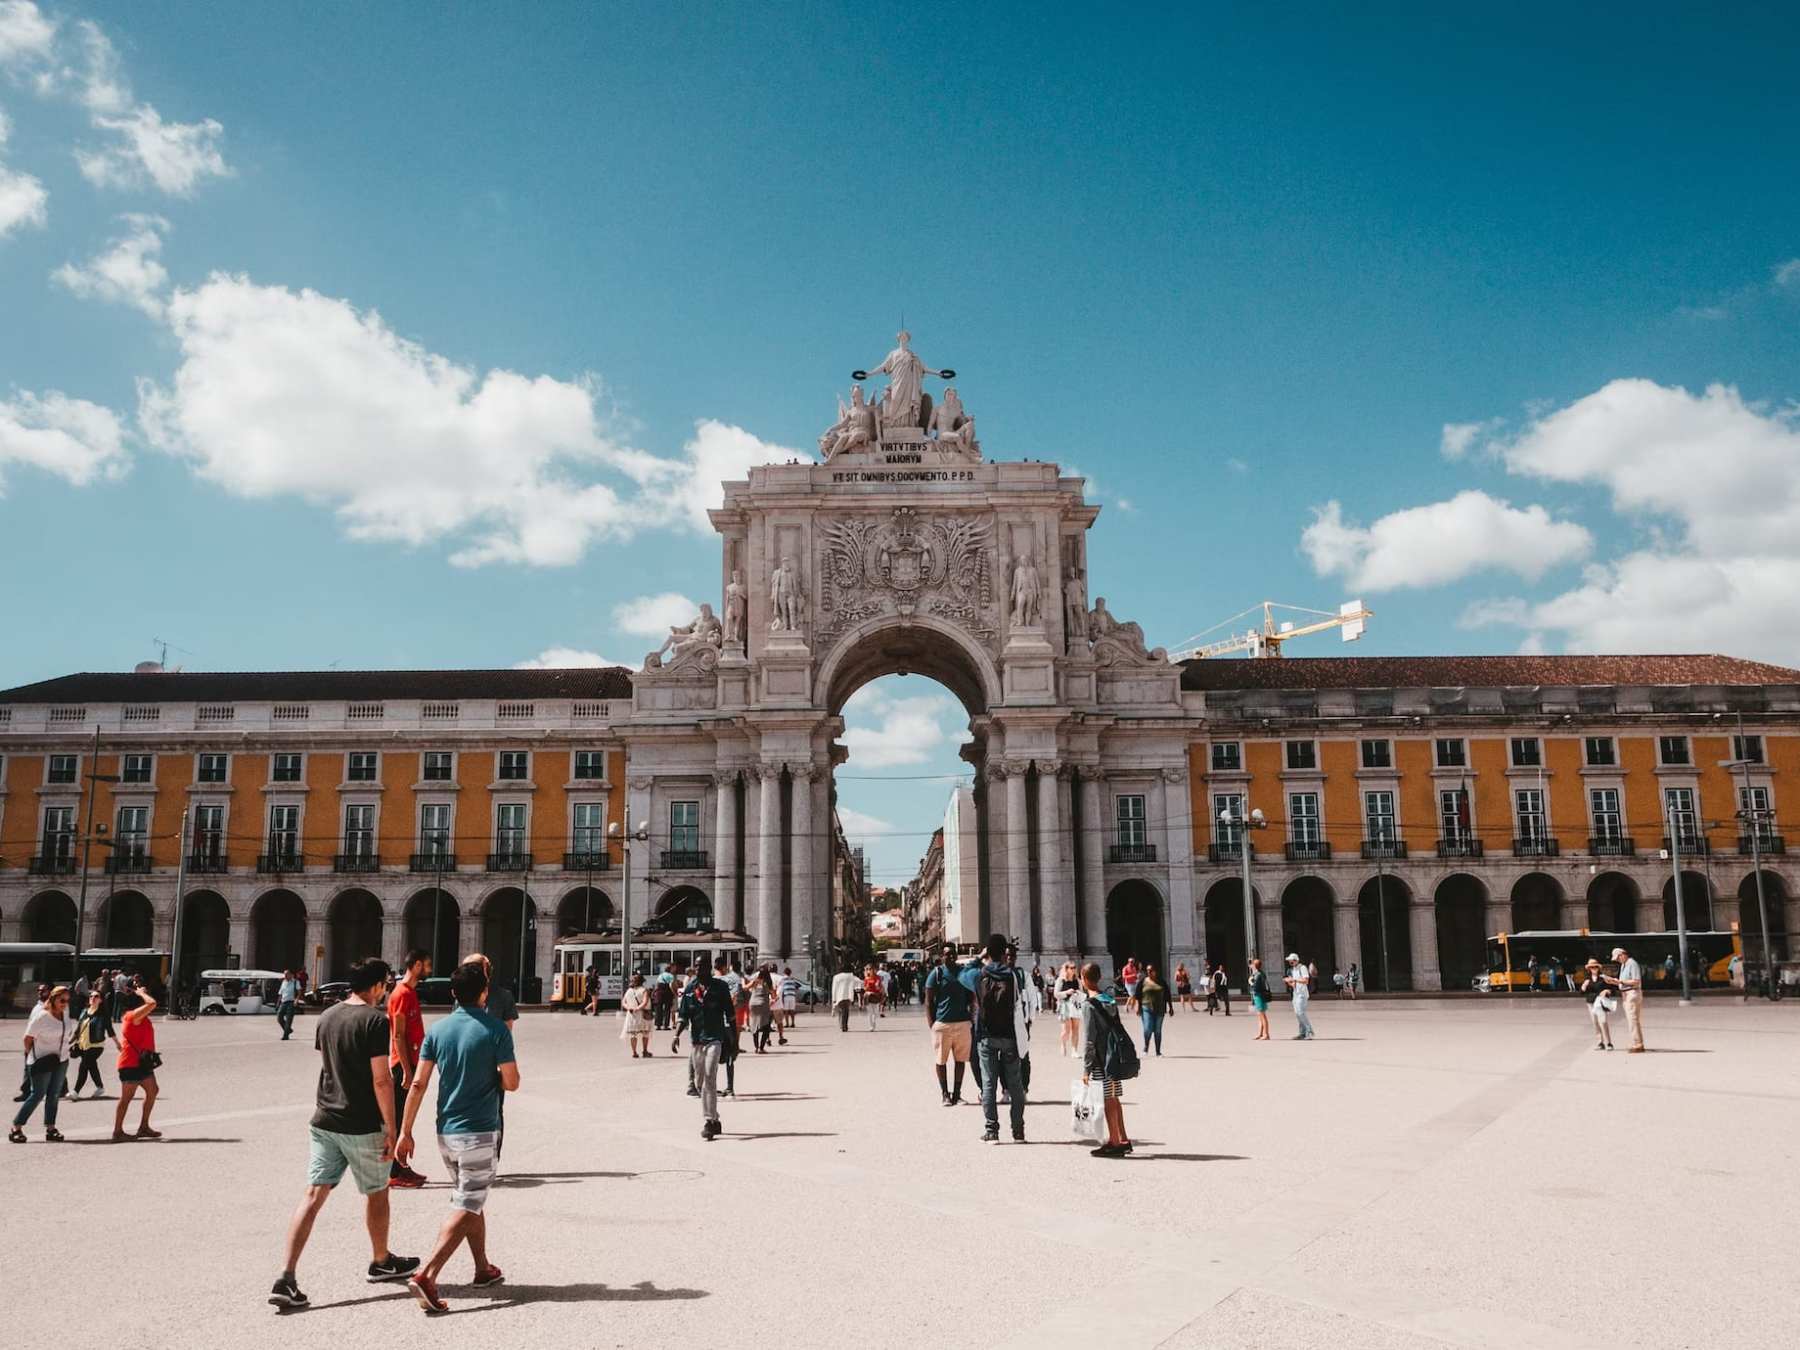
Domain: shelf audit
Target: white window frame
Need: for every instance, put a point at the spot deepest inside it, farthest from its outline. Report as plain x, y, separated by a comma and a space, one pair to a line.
1606, 813
374, 766
1312, 756
63, 831
50, 770
1513, 745
1740, 742
1531, 813
1305, 825
365, 833
426, 766
1687, 752
436, 839
145, 764
1236, 756
1612, 752
512, 840
1450, 823
1685, 819
1228, 811
288, 831
279, 761
522, 758
587, 838
221, 759
684, 834
1439, 745
596, 759
1373, 829
1387, 752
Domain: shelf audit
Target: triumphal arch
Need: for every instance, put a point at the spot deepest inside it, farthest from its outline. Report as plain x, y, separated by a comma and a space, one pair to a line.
905, 549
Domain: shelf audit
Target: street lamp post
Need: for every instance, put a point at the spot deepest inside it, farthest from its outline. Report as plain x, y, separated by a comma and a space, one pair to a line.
1245, 823
626, 840
1387, 984
1753, 818
1681, 942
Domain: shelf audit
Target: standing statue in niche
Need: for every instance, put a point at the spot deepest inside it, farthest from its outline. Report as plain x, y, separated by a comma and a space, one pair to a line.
902, 405
787, 598
735, 598
1075, 601
854, 429
1027, 594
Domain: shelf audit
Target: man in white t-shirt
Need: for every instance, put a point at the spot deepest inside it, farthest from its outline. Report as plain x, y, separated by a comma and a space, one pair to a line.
1299, 979
284, 1004
1630, 984
845, 988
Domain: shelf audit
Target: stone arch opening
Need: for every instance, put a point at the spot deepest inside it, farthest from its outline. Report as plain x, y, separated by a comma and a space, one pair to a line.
682, 909
353, 931
49, 916
205, 935
1223, 919
1612, 903
434, 924
278, 932
1750, 916
1306, 924
509, 919
1696, 902
1135, 926
1384, 910
124, 919
586, 909
1461, 904
919, 645
1537, 903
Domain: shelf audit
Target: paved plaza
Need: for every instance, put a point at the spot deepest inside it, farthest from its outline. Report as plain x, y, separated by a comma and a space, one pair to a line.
1425, 1173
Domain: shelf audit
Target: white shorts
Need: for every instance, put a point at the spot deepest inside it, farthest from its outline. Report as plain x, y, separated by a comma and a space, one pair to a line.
470, 1161
787, 1002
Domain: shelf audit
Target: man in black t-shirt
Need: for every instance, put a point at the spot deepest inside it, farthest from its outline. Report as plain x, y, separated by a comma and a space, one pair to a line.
353, 1128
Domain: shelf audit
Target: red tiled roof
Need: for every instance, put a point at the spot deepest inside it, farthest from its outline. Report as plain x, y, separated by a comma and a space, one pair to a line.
297, 686
1481, 672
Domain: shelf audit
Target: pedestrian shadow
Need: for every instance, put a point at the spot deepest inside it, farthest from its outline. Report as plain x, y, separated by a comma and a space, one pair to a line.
779, 1097
1338, 1038
522, 1181
1672, 1050
514, 1295
781, 1134
180, 1139
1190, 1056
1186, 1157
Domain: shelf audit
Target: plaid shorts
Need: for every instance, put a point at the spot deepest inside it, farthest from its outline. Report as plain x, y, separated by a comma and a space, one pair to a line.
470, 1161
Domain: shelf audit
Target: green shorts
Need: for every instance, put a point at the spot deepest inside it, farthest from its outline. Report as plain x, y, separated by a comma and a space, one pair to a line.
333, 1152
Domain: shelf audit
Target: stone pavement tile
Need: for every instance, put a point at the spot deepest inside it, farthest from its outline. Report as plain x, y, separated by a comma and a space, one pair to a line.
1256, 1319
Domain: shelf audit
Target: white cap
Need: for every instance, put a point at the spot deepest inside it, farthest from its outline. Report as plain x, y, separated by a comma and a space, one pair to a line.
1618, 951
1293, 956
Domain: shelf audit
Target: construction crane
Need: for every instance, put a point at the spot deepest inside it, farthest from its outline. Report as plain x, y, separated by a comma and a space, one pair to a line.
1266, 641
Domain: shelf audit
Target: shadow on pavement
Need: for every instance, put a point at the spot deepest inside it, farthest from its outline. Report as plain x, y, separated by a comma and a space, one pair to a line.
780, 1097
170, 1139
511, 1295
1670, 1050
527, 1180
782, 1134
1187, 1157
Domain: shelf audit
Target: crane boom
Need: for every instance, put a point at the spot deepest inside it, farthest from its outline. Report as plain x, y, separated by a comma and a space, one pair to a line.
1265, 641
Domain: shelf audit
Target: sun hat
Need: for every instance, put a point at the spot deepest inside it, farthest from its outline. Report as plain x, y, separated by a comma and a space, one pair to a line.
1293, 956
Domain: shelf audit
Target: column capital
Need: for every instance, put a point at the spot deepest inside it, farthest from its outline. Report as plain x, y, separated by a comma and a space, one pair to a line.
995, 770
1172, 774
770, 773
1090, 773
803, 771
1048, 767
724, 778
1016, 768
640, 782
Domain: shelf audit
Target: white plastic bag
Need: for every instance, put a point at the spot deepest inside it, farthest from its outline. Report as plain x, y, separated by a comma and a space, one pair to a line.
1087, 1110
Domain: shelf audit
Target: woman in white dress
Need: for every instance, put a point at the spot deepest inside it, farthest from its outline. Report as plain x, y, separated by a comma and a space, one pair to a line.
635, 1008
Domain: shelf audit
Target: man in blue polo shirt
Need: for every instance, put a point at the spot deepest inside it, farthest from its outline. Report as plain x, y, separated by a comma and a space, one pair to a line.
949, 999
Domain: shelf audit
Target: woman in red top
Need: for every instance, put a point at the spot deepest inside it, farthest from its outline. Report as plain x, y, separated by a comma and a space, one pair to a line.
872, 994
137, 1039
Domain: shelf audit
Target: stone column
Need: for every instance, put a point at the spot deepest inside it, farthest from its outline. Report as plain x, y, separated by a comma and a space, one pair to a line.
1016, 845
1273, 948
239, 925
725, 825
800, 912
821, 855
768, 860
643, 856
393, 936
1650, 912
1426, 976
1347, 928
1056, 918
1575, 912
1093, 863
1178, 842
468, 931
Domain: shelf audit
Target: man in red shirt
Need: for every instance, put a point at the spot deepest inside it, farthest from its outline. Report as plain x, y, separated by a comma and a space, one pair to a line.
406, 1033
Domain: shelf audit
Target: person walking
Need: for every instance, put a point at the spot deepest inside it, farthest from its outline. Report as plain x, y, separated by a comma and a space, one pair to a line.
707, 1013
1299, 979
1106, 1054
762, 1008
1131, 974
1630, 984
1600, 1003
1068, 1009
92, 1031
949, 999
1353, 982
634, 1007
844, 989
472, 1051
1531, 971
1259, 998
1153, 1006
1222, 987
1184, 986
354, 1128
138, 1063
998, 991
872, 995
285, 995
406, 1033
789, 990
46, 1043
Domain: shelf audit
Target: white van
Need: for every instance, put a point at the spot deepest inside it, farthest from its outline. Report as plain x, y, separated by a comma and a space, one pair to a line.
239, 991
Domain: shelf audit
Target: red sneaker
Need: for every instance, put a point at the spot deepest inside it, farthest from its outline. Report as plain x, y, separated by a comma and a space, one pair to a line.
491, 1276
425, 1290
405, 1180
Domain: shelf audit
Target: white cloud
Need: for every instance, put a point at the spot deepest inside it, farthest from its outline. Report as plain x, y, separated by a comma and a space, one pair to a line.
1442, 542
882, 732
652, 616
1511, 612
22, 197
69, 437
1459, 437
128, 271
26, 36
174, 156
564, 658
1787, 275
859, 824
716, 453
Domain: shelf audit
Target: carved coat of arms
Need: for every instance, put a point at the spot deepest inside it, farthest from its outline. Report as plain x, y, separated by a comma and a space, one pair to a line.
942, 566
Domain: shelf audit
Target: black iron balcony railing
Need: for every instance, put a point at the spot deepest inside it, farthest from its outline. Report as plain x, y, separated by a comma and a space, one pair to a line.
360, 858
586, 860
1761, 842
1229, 850
280, 860
1694, 845
1459, 846
437, 860
1308, 850
1535, 846
509, 860
1382, 848
207, 860
128, 861
1612, 845
679, 859
1131, 853
51, 865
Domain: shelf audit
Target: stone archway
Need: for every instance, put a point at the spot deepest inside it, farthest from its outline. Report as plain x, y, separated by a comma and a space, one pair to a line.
49, 916
278, 932
353, 930
682, 909
434, 924
1537, 903
1696, 902
1750, 916
1612, 903
512, 949
205, 935
1223, 921
1384, 916
1307, 929
1135, 926
124, 919
1461, 904
586, 909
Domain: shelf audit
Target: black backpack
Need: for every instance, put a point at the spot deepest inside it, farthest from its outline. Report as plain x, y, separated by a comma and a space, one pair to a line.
994, 994
1119, 1057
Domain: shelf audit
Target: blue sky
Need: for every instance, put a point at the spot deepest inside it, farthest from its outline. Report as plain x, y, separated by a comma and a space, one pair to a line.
367, 335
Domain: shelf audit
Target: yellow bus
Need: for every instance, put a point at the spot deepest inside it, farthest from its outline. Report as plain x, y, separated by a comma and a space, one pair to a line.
1562, 955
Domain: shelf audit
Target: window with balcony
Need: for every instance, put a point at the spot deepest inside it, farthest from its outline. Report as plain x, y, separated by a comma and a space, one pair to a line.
587, 838
1673, 751
1228, 829
211, 768
1608, 821
1452, 753
359, 832
1533, 825
1227, 757
1756, 821
131, 840
1599, 752
1131, 830
1379, 826
436, 766
284, 837
515, 765
1681, 817
509, 830
1747, 749
1527, 752
1456, 825
684, 827
56, 852
1378, 754
1305, 837
61, 770
136, 768
590, 764
208, 853
1302, 755
361, 766
284, 768
434, 832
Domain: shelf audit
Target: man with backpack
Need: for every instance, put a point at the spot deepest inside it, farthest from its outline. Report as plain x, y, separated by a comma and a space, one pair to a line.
1107, 1054
948, 996
997, 996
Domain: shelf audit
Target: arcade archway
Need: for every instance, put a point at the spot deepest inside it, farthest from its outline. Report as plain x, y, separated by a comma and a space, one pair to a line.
124, 919
434, 924
205, 935
353, 931
1537, 900
1135, 927
1384, 910
1774, 895
509, 920
683, 909
1461, 904
1223, 914
278, 932
1306, 925
49, 917
1612, 903
586, 909
1696, 902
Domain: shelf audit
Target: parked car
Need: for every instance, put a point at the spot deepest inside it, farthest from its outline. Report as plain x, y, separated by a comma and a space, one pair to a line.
328, 993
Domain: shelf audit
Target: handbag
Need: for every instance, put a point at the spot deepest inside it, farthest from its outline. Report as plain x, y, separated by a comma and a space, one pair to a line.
1087, 1110
149, 1061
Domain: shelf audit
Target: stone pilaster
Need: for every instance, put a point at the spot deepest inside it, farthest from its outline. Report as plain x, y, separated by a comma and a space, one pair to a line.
725, 829
768, 859
1016, 847
1093, 862
1056, 936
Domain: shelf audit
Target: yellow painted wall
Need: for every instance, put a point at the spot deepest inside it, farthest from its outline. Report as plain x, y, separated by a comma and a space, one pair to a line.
1199, 757
172, 773
1341, 800
321, 772
400, 769
247, 830
1491, 790
1264, 760
550, 770
1643, 791
18, 828
1418, 795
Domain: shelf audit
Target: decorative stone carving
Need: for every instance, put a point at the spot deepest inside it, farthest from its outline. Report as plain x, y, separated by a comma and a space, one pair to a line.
908, 562
801, 771
903, 403
640, 782
736, 598
1119, 642
1017, 768
724, 779
1027, 594
770, 773
696, 642
996, 770
1075, 618
854, 429
788, 598
953, 427
1052, 767
1091, 773
1173, 774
